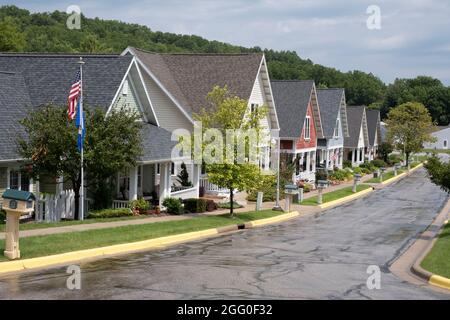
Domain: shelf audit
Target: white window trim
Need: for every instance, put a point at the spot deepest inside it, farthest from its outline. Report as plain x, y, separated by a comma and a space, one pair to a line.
307, 128
336, 129
19, 180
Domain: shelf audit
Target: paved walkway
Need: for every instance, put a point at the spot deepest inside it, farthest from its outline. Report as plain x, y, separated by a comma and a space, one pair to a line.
303, 210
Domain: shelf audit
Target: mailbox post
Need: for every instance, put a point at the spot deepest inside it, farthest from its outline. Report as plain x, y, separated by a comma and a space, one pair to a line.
381, 174
356, 180
396, 167
15, 203
290, 190
321, 184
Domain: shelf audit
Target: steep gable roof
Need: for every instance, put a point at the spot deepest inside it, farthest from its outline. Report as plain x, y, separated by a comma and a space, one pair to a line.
356, 117
373, 125
14, 105
190, 77
49, 77
292, 98
330, 103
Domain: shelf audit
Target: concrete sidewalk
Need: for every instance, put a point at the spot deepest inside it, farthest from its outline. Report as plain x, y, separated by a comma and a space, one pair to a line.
303, 210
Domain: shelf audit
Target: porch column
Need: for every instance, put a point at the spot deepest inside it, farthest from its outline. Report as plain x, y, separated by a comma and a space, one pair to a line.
59, 185
308, 161
196, 169
313, 161
133, 193
341, 157
327, 159
164, 181
37, 208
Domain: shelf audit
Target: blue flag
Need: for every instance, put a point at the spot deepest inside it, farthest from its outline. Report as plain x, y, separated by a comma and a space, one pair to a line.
79, 122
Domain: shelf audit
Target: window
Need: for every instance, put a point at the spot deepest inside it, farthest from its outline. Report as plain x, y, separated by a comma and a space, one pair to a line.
172, 169
125, 88
14, 180
336, 129
307, 128
253, 107
445, 144
24, 182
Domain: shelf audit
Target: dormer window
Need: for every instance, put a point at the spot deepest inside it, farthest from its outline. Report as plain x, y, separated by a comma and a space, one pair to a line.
253, 107
307, 128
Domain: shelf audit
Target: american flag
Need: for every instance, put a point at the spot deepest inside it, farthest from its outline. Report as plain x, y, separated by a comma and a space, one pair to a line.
73, 96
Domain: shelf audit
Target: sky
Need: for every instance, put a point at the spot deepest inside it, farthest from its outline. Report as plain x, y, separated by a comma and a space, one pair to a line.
410, 38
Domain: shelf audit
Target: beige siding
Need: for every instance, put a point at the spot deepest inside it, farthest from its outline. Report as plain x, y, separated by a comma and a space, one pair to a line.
167, 113
127, 99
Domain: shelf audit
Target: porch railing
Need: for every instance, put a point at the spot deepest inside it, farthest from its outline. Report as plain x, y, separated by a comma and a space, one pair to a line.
211, 187
120, 204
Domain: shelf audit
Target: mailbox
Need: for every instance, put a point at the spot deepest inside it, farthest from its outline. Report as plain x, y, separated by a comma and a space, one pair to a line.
322, 184
21, 201
290, 189
357, 177
15, 203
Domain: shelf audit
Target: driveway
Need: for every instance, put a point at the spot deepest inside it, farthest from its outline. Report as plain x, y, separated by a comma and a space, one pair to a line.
317, 257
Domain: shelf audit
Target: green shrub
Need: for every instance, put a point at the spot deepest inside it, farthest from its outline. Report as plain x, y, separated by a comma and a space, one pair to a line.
140, 204
394, 158
227, 205
268, 188
2, 216
338, 175
306, 186
211, 205
321, 174
347, 164
357, 170
368, 167
195, 205
173, 205
110, 213
379, 163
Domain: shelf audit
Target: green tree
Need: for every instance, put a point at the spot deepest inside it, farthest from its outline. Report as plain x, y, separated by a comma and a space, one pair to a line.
183, 176
409, 126
439, 172
11, 38
50, 145
384, 150
227, 112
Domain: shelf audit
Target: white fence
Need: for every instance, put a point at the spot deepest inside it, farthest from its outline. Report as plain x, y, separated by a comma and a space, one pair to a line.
53, 208
211, 187
119, 204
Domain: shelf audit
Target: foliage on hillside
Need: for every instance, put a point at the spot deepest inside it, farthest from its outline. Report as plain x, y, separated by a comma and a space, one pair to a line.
47, 32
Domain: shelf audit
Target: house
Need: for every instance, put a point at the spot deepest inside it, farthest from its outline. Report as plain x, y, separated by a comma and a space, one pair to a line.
333, 112
357, 143
28, 81
300, 124
374, 130
442, 136
179, 84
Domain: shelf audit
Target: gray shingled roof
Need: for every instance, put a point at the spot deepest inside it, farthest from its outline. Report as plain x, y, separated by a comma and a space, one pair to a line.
291, 98
373, 125
354, 117
190, 77
49, 77
14, 105
330, 105
156, 143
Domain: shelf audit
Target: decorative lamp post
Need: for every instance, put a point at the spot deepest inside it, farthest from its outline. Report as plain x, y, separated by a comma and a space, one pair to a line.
356, 180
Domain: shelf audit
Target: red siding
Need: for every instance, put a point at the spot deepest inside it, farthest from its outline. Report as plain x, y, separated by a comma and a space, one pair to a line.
286, 144
312, 142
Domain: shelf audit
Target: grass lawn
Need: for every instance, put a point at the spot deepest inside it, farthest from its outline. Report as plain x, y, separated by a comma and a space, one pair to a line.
438, 260
437, 150
330, 196
44, 225
38, 246
386, 175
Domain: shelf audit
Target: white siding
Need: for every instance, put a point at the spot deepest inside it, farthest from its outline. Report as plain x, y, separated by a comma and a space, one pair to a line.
361, 138
257, 97
167, 113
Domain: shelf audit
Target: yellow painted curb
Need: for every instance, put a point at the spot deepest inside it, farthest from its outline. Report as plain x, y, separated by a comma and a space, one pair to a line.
420, 165
282, 217
390, 180
68, 257
345, 199
440, 281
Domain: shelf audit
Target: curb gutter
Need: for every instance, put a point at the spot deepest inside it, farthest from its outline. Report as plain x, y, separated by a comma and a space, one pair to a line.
349, 198
433, 279
157, 243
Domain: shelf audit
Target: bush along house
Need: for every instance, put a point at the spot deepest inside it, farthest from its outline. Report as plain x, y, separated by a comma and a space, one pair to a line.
333, 113
110, 81
300, 125
374, 129
357, 143
180, 83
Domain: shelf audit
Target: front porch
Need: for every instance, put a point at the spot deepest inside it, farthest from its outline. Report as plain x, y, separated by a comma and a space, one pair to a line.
305, 165
330, 158
356, 155
155, 182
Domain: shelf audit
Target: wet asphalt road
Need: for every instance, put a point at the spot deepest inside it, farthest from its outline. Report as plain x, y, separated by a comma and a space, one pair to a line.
317, 257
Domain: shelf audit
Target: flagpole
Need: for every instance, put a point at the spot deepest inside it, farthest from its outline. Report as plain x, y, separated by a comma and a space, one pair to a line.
81, 206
